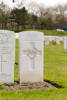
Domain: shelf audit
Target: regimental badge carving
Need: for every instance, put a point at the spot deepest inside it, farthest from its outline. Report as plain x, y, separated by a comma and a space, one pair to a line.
32, 53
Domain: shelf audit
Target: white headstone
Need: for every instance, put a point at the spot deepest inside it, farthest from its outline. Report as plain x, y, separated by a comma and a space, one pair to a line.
57, 40
31, 56
46, 41
65, 44
7, 56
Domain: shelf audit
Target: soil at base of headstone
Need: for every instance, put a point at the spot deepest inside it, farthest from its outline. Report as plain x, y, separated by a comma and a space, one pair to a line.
28, 86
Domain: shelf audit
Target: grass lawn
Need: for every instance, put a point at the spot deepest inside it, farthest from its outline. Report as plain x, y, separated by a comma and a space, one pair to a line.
55, 70
47, 32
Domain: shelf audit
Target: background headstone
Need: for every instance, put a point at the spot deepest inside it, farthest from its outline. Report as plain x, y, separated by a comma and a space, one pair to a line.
65, 44
47, 41
57, 40
7, 56
31, 56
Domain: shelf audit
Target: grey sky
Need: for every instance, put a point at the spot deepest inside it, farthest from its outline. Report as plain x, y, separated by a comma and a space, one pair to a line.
45, 2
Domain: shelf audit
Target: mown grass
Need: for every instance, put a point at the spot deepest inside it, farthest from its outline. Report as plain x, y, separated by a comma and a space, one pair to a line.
17, 52
47, 32
55, 64
55, 70
2, 87
16, 73
50, 94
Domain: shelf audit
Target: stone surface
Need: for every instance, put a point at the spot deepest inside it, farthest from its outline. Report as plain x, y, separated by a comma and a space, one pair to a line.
57, 40
47, 41
53, 38
65, 44
31, 56
50, 38
7, 56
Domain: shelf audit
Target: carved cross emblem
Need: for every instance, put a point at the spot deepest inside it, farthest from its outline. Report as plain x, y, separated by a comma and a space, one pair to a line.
32, 53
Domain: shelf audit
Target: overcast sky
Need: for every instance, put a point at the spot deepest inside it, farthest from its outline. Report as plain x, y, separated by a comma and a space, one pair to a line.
45, 2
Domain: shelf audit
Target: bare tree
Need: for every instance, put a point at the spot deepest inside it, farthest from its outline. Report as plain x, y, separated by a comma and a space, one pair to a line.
33, 7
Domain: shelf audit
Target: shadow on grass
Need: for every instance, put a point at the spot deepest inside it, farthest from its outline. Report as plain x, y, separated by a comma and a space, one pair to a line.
16, 63
54, 84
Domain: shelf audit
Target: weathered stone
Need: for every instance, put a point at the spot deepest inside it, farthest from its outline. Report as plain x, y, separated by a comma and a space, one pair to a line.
31, 56
7, 56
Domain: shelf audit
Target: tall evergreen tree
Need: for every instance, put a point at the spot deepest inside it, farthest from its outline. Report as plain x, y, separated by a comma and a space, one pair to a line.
19, 16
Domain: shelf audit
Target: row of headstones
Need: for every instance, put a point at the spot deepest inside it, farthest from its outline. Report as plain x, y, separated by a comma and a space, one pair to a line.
57, 40
49, 39
30, 56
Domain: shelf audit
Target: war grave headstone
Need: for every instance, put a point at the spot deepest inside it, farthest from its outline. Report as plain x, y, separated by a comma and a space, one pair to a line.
65, 44
31, 56
57, 40
46, 41
7, 56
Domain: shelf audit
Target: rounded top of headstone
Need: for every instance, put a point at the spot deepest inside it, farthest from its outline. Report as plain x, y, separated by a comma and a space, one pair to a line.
7, 33
31, 36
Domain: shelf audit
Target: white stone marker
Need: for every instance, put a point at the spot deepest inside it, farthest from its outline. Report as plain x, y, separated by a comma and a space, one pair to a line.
65, 44
46, 41
7, 56
57, 40
31, 56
